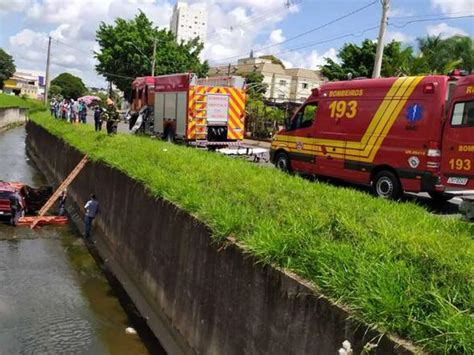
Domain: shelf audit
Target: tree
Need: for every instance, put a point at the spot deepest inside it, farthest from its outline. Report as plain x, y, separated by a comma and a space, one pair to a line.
7, 67
71, 86
435, 56
55, 91
126, 50
440, 56
359, 61
256, 86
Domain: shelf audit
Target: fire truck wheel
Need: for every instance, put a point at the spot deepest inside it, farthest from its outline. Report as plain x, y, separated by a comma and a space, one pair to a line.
386, 185
282, 162
440, 196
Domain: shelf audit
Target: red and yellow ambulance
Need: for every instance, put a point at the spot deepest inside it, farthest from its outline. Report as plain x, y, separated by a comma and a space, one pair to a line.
390, 133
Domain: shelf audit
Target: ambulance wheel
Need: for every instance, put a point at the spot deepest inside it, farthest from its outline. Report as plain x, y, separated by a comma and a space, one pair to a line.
282, 162
440, 196
386, 185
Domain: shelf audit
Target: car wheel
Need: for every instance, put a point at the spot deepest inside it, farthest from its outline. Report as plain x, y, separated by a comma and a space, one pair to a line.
282, 162
386, 185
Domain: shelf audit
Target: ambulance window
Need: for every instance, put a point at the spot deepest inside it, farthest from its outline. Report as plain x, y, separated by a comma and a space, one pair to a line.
305, 117
463, 114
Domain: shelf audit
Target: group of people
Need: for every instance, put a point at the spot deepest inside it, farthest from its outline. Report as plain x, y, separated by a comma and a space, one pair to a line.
76, 111
71, 110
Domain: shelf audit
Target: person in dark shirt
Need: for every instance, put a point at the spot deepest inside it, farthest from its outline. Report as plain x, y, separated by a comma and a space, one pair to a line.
98, 118
62, 203
16, 208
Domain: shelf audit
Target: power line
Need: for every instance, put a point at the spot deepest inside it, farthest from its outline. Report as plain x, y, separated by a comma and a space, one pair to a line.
428, 20
312, 29
432, 15
358, 33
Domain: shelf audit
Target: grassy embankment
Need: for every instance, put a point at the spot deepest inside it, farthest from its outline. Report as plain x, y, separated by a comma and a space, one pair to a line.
394, 264
32, 105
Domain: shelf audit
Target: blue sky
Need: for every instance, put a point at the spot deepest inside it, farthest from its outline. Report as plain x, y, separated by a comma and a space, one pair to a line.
234, 27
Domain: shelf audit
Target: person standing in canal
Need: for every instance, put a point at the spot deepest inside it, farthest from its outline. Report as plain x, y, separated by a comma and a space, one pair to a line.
62, 202
92, 208
16, 208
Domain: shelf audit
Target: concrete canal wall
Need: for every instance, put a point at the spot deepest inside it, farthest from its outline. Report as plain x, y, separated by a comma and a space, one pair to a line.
11, 115
199, 297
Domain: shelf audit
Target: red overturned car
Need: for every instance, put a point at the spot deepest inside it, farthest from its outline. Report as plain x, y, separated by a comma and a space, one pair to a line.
31, 198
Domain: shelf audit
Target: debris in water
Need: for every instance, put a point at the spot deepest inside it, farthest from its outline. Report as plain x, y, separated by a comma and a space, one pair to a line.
346, 348
130, 330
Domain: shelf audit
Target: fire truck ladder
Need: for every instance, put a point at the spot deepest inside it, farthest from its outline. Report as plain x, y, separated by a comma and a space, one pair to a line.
54, 197
202, 141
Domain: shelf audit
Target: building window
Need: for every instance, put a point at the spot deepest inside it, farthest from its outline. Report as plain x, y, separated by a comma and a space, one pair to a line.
283, 82
304, 85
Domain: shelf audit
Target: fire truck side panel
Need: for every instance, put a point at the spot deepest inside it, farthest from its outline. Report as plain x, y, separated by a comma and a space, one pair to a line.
458, 140
181, 114
159, 112
362, 126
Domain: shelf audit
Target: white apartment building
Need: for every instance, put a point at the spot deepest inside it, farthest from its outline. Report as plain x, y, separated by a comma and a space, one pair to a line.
283, 85
189, 22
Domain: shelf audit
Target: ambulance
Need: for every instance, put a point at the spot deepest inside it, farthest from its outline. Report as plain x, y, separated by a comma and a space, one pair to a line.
457, 163
393, 134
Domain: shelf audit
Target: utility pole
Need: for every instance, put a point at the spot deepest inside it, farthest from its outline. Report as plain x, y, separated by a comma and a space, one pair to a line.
46, 85
154, 58
383, 26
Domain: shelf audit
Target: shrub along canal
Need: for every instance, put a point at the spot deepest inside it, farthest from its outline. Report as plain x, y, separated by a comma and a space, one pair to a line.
53, 296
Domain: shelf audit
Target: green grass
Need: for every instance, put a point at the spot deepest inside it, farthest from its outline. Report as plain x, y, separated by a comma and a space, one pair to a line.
8, 101
394, 264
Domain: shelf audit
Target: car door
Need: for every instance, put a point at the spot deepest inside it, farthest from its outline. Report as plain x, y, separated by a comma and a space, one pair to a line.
301, 133
457, 162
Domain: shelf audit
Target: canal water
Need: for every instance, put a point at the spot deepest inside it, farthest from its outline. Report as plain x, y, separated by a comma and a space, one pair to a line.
54, 298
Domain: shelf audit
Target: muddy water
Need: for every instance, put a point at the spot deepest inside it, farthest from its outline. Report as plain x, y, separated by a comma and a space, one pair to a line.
53, 296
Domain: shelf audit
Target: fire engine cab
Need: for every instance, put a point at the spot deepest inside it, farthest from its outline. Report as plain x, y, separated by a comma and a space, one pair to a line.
395, 134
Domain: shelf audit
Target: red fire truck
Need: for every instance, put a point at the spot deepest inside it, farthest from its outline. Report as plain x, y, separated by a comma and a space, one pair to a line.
143, 93
390, 133
208, 112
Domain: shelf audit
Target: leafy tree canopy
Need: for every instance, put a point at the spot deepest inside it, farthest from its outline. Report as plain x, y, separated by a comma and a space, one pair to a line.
256, 86
435, 56
7, 67
71, 86
126, 50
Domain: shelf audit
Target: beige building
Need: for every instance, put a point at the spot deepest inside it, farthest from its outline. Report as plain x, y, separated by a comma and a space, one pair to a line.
25, 82
283, 85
